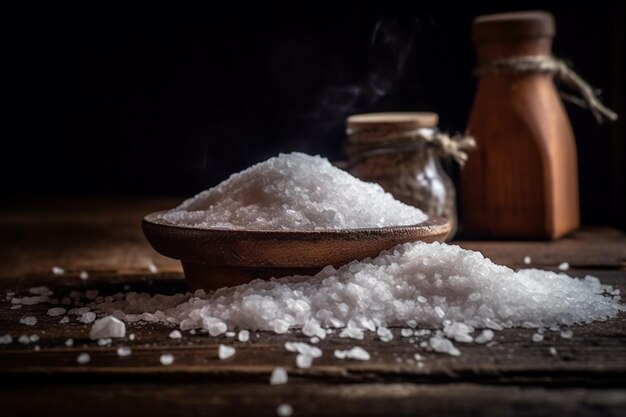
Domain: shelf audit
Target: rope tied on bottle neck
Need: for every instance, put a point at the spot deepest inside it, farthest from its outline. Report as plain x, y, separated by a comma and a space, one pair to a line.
561, 71
455, 146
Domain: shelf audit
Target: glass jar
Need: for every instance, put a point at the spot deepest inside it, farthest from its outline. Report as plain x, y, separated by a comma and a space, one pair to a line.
398, 151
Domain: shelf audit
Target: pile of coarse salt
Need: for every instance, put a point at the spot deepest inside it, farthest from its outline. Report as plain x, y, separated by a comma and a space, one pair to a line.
415, 285
294, 192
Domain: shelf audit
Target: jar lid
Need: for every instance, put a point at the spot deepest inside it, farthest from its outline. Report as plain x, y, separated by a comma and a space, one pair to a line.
369, 127
530, 24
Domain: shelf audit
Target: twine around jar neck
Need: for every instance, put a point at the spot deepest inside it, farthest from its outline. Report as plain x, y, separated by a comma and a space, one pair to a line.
561, 71
411, 141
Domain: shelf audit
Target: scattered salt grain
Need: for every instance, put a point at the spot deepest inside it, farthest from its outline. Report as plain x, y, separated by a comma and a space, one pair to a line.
152, 268
406, 332
460, 332
131, 337
284, 410
107, 327
225, 352
567, 334
357, 353
314, 340
64, 320
243, 335
123, 351
24, 339
84, 275
537, 337
175, 334
443, 345
83, 358
384, 334
105, 342
230, 334
527, 260
418, 357
56, 311
69, 342
564, 266
279, 376
304, 348
57, 270
29, 320
87, 317
280, 326
287, 196
36, 348
6, 339
40, 291
313, 328
166, 359
484, 337
304, 361
16, 306
33, 338
553, 351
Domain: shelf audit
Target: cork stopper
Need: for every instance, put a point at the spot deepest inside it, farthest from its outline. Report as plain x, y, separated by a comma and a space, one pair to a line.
372, 127
516, 25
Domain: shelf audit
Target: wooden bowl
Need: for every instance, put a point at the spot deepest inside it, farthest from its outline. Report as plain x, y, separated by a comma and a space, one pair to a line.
215, 258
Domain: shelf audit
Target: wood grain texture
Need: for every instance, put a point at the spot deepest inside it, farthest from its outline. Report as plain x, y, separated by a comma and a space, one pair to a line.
513, 377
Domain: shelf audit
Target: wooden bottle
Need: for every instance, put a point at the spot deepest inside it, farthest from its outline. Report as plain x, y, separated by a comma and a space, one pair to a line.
522, 180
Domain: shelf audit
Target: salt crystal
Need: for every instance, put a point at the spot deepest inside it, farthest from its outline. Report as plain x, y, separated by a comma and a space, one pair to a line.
175, 334
24, 339
314, 340
29, 320
330, 199
384, 334
166, 359
563, 266
107, 327
458, 331
358, 353
304, 349
152, 268
57, 270
553, 351
537, 337
406, 332
214, 326
83, 358
279, 376
40, 291
105, 342
69, 342
304, 361
527, 260
123, 351
225, 352
16, 307
231, 334
418, 357
84, 275
64, 320
484, 337
34, 338
284, 410
131, 337
36, 348
443, 345
243, 335
88, 317
280, 326
313, 328
567, 334
6, 339
56, 311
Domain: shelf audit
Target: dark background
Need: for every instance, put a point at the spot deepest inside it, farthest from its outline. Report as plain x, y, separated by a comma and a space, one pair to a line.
171, 101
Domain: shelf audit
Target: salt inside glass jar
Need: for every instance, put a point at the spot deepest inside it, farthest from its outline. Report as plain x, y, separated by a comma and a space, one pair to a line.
402, 152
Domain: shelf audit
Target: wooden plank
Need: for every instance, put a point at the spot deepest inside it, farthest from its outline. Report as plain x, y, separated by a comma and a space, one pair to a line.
209, 398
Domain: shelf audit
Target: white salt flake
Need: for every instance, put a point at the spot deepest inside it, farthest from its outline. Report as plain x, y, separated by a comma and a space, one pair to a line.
152, 268
567, 334
280, 326
57, 270
166, 359
553, 351
313, 328
84, 275
243, 335
83, 358
384, 334
284, 410
527, 260
23, 339
537, 337
406, 332
225, 352
29, 320
484, 337
6, 339
40, 291
443, 345
564, 266
357, 353
34, 338
69, 342
279, 376
36, 348
175, 334
105, 342
314, 340
64, 320
107, 327
304, 361
88, 317
124, 351
131, 337
230, 334
56, 311
304, 348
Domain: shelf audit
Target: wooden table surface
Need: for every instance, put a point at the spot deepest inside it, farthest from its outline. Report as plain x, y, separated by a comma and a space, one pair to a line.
513, 377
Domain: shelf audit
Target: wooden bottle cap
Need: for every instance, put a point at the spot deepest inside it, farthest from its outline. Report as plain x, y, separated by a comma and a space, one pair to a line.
370, 127
531, 24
